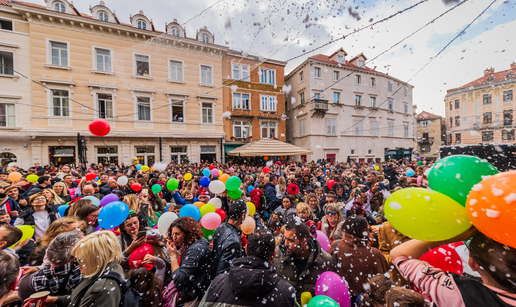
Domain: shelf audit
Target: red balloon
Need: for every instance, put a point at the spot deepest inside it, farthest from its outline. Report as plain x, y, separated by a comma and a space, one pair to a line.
445, 258
266, 170
331, 183
138, 255
99, 127
221, 213
136, 187
91, 176
211, 167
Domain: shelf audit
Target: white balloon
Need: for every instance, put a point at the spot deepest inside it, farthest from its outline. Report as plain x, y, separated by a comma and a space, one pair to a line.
160, 166
165, 220
215, 201
217, 187
95, 201
122, 180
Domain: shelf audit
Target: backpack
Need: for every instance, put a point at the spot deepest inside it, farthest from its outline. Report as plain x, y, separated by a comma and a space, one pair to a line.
475, 294
129, 297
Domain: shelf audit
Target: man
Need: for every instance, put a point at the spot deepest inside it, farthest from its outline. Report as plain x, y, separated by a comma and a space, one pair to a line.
251, 280
107, 188
4, 176
329, 199
70, 182
204, 195
270, 194
9, 235
300, 259
9, 205
260, 179
88, 190
43, 183
226, 241
9, 275
372, 179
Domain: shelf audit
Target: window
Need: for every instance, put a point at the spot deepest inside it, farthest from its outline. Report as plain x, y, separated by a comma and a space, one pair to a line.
391, 129
335, 75
357, 124
372, 102
317, 72
240, 72
144, 112
331, 126
358, 79
241, 129
508, 135
390, 104
458, 138
336, 97
302, 127
457, 104
59, 53
302, 97
103, 16
352, 151
145, 154
487, 98
267, 76
358, 100
425, 148
424, 123
7, 115
208, 153
301, 76
317, 96
176, 71
6, 25
490, 79
141, 25
509, 75
268, 129
507, 95
457, 121
178, 111
59, 7
61, 106
405, 130
373, 82
175, 32
178, 154
241, 101
450, 140
425, 136
375, 128
405, 91
268, 103
103, 58
205, 38
107, 155
405, 108
488, 118
507, 117
487, 136
451, 105
105, 105
207, 113
340, 59
206, 75
142, 65
390, 86
451, 121
361, 63
6, 63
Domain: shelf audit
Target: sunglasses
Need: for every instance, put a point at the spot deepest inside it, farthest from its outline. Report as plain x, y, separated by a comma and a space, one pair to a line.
331, 213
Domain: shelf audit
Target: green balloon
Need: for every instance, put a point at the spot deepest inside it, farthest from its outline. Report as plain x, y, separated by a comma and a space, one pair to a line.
208, 234
236, 194
32, 178
207, 209
156, 188
322, 300
172, 184
233, 183
454, 176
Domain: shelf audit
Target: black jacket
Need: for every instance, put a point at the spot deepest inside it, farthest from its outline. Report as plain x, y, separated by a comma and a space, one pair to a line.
104, 190
272, 201
35, 189
28, 218
226, 247
251, 281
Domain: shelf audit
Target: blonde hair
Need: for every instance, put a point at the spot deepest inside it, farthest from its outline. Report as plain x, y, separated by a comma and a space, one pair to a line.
57, 200
282, 184
65, 188
306, 207
335, 207
132, 201
78, 205
96, 250
33, 197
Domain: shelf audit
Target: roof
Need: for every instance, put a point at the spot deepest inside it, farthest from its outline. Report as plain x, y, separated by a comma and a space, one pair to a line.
268, 147
3, 2
427, 115
29, 4
357, 56
497, 77
327, 59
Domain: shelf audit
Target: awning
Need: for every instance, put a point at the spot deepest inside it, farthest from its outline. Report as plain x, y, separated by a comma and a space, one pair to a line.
268, 147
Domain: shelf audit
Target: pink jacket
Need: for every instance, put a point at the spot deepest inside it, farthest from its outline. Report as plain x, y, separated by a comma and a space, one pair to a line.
439, 286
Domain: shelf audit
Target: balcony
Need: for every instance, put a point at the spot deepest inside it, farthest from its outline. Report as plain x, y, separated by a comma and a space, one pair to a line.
429, 140
320, 106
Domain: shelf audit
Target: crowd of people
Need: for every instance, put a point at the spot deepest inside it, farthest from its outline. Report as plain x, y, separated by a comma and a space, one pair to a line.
278, 264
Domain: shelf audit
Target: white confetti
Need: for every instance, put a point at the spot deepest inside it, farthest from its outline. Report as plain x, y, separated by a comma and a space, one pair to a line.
395, 205
509, 198
492, 213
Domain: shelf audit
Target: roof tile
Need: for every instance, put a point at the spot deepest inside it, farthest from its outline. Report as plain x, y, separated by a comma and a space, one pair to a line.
325, 58
3, 2
426, 115
496, 77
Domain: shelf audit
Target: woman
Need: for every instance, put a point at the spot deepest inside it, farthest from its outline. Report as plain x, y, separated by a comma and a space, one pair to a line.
40, 214
62, 191
76, 206
286, 210
190, 268
331, 221
313, 201
147, 283
52, 197
281, 187
342, 196
129, 235
138, 207
90, 215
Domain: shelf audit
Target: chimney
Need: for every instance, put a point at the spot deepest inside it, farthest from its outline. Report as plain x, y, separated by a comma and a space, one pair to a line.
513, 65
488, 71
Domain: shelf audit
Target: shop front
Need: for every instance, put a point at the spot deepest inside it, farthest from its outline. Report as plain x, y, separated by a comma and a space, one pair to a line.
61, 155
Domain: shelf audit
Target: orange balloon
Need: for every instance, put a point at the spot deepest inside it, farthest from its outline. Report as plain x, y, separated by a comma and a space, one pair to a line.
15, 176
266, 158
223, 178
491, 207
199, 204
248, 225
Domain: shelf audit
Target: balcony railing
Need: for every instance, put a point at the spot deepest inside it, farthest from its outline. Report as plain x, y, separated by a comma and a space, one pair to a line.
320, 105
429, 140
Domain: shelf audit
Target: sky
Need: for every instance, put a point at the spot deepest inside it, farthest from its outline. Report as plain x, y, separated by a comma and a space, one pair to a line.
284, 29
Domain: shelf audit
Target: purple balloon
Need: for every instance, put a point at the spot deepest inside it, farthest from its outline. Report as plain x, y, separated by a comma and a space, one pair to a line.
108, 199
333, 286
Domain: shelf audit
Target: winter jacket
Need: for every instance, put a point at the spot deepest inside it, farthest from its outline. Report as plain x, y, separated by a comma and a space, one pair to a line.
28, 218
34, 189
285, 213
338, 232
272, 201
226, 247
257, 200
251, 281
180, 201
389, 238
104, 190
319, 261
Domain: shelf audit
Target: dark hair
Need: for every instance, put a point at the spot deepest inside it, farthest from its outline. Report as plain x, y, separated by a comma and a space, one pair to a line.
357, 227
372, 174
9, 268
14, 235
190, 228
145, 283
404, 298
42, 179
357, 209
331, 194
37, 256
261, 244
130, 216
300, 228
378, 285
64, 177
236, 209
274, 224
178, 207
272, 177
85, 211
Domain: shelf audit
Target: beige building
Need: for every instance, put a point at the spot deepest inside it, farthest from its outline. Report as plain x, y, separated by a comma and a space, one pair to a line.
342, 109
431, 134
161, 92
482, 110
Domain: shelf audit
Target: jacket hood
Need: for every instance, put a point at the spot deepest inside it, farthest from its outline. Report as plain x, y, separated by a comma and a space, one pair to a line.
252, 277
268, 184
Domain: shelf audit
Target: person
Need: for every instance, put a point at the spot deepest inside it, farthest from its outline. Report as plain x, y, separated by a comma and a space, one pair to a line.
190, 268
300, 259
9, 275
375, 296
128, 238
140, 206
89, 214
495, 262
226, 241
331, 223
147, 283
14, 194
5, 217
62, 191
251, 281
306, 215
76, 206
40, 214
388, 239
313, 201
43, 183
286, 210
52, 197
65, 170
9, 205
270, 195
403, 297
9, 235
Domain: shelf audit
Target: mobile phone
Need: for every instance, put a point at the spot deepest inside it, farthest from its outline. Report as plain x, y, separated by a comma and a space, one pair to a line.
145, 191
142, 233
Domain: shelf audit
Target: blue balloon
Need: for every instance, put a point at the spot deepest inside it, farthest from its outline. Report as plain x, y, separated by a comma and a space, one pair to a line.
95, 201
166, 208
206, 172
113, 214
250, 188
96, 178
62, 209
191, 211
139, 167
204, 181
410, 173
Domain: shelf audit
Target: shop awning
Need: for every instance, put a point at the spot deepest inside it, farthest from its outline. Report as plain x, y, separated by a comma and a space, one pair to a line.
268, 147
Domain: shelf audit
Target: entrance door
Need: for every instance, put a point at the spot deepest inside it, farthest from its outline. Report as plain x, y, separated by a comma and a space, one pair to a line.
208, 153
330, 157
61, 155
145, 155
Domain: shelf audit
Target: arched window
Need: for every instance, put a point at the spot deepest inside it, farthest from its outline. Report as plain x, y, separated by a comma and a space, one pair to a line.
59, 7
205, 38
6, 158
142, 25
175, 32
103, 16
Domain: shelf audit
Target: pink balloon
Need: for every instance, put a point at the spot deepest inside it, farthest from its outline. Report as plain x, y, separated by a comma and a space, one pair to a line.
211, 220
323, 240
215, 172
332, 285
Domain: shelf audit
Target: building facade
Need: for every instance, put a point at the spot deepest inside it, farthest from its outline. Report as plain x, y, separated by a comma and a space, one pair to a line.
431, 134
343, 110
161, 92
254, 102
482, 110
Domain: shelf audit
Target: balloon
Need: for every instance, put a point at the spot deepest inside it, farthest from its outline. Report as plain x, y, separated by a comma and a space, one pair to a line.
172, 184
145, 168
156, 188
454, 176
166, 207
215, 202
139, 166
113, 214
207, 208
215, 172
15, 176
99, 127
32, 178
108, 199
62, 210
251, 207
377, 168
221, 213
305, 298
445, 258
322, 301
217, 187
250, 188
410, 172
204, 181
138, 255
188, 176
333, 286
165, 220
208, 234
95, 201
160, 166
233, 183
330, 184
211, 220
199, 204
122, 180
211, 167
248, 225
220, 172
323, 240
236, 194
266, 170
136, 186
206, 172
191, 211
266, 158
224, 178
426, 215
491, 207
28, 232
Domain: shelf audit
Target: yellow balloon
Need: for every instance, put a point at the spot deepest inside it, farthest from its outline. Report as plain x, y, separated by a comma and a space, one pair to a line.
145, 168
15, 176
220, 173
251, 207
28, 232
188, 176
305, 297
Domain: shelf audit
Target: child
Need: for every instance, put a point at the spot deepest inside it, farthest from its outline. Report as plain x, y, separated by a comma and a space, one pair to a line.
188, 198
306, 214
5, 217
